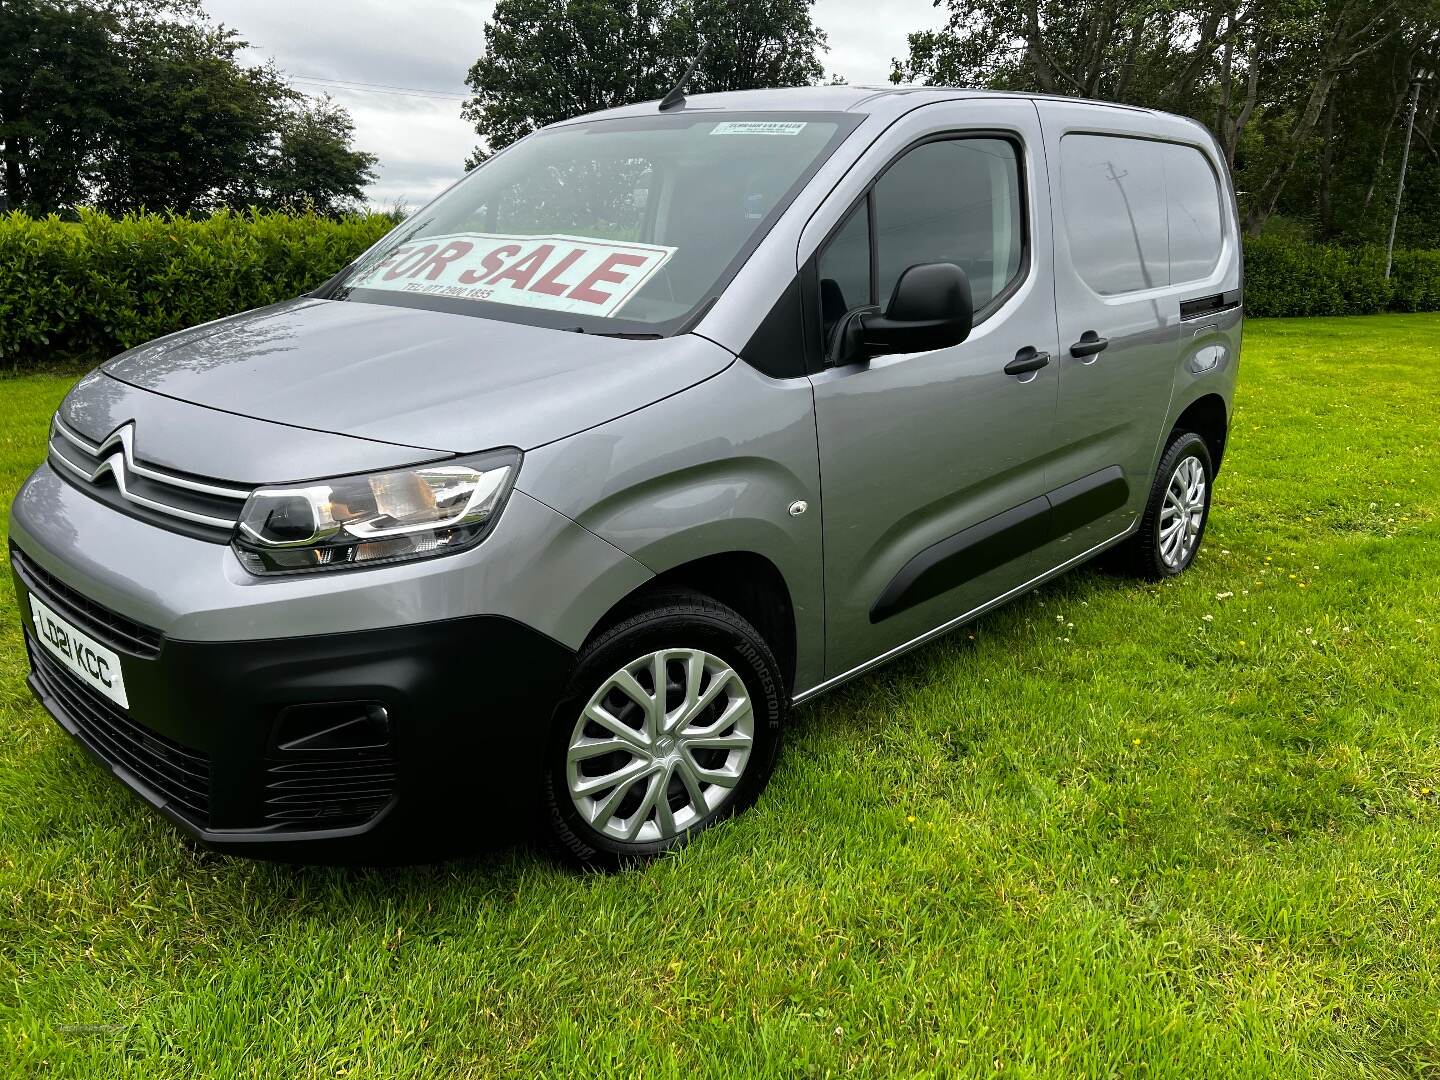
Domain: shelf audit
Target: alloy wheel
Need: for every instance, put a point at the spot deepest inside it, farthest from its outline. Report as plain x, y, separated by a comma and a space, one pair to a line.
1183, 513
660, 746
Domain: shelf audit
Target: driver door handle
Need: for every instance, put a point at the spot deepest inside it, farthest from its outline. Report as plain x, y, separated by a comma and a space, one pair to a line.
1090, 344
1026, 361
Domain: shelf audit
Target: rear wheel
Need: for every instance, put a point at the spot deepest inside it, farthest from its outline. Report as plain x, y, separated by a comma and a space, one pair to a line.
671, 723
1175, 515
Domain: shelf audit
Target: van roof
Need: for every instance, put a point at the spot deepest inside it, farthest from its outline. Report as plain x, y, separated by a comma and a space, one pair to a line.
889, 98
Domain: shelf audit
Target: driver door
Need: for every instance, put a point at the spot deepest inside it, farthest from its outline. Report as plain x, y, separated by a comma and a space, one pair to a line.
933, 464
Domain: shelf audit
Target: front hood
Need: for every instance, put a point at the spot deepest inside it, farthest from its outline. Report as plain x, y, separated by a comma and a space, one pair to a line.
428, 379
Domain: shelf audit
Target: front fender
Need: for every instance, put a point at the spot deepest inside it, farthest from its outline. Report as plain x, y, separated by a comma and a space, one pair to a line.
716, 469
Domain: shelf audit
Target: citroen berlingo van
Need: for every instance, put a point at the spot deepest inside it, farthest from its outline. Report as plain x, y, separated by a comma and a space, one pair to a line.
552, 505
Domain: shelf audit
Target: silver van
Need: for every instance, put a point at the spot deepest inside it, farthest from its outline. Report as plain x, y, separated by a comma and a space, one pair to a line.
551, 506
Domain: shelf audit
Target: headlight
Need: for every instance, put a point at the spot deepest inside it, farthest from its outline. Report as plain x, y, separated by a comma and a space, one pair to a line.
380, 518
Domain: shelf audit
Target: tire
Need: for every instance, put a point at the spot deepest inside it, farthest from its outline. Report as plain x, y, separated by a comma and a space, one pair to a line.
679, 785
1152, 552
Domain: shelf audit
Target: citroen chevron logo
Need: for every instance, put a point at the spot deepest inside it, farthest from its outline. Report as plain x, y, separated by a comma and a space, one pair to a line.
117, 464
116, 456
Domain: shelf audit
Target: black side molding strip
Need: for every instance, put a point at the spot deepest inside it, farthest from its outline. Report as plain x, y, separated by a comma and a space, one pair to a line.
968, 554
1209, 305
995, 541
1088, 499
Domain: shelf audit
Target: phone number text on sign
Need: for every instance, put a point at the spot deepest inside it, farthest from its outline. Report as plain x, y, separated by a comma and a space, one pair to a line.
561, 273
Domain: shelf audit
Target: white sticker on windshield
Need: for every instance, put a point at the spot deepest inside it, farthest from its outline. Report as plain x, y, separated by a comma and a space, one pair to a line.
759, 127
562, 273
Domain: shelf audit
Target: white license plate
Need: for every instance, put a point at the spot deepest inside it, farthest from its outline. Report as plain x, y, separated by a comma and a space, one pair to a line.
96, 665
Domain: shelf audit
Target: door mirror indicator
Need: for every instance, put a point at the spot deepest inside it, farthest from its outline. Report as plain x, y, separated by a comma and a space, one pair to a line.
930, 309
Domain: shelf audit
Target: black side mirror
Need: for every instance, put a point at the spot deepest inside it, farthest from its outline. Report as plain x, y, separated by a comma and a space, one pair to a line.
929, 309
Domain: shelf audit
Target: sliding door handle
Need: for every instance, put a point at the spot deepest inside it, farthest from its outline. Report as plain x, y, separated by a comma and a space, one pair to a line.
1090, 344
1026, 361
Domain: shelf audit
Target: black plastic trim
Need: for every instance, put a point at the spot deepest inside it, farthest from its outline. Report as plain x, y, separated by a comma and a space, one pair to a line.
965, 555
998, 540
1199, 307
220, 703
1088, 499
107, 627
777, 348
162, 772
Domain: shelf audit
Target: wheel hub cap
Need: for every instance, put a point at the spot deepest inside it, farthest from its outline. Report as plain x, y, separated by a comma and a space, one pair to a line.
660, 745
1183, 513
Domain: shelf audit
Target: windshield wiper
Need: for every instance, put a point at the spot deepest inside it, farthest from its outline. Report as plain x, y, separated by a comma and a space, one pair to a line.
614, 334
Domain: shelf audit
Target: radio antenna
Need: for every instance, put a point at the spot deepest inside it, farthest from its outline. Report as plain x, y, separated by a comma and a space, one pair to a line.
675, 99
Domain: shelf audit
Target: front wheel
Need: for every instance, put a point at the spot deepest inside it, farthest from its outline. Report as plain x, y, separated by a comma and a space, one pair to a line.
671, 723
1175, 515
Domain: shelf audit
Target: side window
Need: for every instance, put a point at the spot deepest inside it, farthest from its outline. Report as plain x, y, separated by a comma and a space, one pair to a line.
956, 201
1114, 196
844, 270
1193, 191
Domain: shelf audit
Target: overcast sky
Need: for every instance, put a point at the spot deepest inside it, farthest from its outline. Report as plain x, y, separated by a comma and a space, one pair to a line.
421, 51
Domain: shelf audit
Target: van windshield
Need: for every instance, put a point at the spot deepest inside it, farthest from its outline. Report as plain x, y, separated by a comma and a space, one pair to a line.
622, 226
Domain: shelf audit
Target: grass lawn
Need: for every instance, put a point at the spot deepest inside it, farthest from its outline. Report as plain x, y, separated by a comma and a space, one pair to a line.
1183, 830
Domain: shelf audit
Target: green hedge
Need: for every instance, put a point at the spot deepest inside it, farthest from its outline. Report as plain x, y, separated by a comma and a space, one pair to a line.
86, 290
1416, 281
1288, 278
82, 291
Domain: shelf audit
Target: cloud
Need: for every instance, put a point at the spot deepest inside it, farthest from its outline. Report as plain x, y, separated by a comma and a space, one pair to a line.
421, 141
422, 149
866, 34
429, 45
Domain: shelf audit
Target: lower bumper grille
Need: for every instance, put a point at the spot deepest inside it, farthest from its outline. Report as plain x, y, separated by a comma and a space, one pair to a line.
331, 794
177, 774
104, 625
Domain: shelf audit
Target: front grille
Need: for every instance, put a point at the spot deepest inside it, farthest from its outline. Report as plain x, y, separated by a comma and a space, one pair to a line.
328, 794
111, 472
102, 624
177, 773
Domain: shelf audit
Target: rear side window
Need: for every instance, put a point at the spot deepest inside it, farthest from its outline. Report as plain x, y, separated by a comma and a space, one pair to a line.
1193, 197
952, 200
1139, 214
1114, 192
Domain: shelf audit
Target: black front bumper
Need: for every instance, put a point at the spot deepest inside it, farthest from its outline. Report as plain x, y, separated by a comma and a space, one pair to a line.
373, 746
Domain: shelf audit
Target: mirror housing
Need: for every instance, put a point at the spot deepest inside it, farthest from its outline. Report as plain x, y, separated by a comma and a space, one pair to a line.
931, 308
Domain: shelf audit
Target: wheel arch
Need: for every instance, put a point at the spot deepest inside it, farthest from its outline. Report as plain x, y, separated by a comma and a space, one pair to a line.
745, 581
1208, 417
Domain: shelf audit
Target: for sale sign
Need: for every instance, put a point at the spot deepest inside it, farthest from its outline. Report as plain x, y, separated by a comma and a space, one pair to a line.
562, 273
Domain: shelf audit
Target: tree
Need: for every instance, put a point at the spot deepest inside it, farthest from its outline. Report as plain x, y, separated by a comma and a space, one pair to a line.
546, 60
1262, 74
1355, 148
1308, 48
131, 104
193, 123
316, 167
60, 71
751, 44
